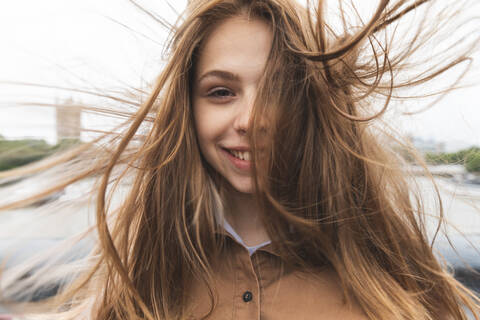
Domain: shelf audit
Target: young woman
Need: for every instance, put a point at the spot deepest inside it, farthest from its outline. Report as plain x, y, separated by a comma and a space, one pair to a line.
260, 189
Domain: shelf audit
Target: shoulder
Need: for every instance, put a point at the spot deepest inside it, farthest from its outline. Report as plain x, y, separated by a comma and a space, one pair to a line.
320, 293
343, 309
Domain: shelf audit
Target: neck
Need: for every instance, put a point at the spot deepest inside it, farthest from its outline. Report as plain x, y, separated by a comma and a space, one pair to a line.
243, 213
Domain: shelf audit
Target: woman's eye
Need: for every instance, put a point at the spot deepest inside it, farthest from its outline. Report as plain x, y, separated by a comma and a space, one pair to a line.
220, 93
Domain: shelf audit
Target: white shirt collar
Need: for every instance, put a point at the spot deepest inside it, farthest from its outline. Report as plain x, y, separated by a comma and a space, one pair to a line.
251, 249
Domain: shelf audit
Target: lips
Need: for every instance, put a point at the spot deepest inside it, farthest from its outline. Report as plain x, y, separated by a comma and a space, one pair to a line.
238, 158
238, 148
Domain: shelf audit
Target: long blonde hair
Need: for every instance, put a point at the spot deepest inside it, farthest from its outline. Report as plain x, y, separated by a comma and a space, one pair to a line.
326, 175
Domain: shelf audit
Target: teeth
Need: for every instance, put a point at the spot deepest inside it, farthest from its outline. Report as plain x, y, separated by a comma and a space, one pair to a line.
245, 155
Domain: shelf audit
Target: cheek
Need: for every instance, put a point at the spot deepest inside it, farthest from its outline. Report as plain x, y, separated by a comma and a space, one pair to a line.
206, 129
201, 126
210, 125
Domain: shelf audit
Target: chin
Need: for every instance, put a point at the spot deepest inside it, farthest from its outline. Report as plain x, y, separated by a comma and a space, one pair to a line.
243, 186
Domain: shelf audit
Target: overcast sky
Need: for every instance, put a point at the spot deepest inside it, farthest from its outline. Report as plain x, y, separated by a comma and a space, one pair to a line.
78, 42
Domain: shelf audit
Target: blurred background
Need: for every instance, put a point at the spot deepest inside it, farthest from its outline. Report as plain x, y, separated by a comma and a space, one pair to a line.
89, 44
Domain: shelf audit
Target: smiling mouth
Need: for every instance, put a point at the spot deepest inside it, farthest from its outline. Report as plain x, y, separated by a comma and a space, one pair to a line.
242, 155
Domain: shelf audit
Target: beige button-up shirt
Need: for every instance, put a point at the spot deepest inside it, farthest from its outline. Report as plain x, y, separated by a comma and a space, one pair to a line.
257, 286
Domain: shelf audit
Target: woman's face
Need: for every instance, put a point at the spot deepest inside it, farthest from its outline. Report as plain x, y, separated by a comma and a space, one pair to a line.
229, 67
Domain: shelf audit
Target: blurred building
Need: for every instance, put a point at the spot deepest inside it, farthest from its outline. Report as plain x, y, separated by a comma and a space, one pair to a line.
427, 145
68, 120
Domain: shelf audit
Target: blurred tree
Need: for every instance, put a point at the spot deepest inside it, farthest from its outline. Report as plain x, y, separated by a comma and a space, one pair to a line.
472, 162
458, 157
16, 153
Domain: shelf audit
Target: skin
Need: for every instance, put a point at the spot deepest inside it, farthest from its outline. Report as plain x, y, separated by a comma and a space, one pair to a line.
229, 68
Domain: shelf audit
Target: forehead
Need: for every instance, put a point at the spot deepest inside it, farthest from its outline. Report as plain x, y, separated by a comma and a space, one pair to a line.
238, 45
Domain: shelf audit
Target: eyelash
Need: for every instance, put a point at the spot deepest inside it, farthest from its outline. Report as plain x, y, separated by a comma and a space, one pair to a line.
214, 93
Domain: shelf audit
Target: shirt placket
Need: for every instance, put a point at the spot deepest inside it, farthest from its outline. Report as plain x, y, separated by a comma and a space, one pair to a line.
246, 304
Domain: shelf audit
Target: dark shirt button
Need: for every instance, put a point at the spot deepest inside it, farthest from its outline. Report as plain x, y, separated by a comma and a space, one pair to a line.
247, 296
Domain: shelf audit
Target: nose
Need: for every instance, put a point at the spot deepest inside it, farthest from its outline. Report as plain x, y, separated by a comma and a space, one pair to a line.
244, 111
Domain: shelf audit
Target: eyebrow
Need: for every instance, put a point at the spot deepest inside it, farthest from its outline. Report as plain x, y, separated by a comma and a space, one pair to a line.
220, 74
